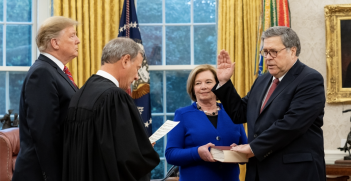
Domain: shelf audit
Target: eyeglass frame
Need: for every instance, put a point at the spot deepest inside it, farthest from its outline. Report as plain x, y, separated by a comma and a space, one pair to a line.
269, 52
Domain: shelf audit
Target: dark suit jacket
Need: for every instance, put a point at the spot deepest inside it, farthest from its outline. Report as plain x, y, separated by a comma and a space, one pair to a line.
286, 137
45, 96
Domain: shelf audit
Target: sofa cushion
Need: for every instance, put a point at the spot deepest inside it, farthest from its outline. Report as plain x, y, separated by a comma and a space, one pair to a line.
13, 136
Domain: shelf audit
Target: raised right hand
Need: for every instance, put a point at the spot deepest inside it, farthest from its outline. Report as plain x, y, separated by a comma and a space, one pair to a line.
225, 67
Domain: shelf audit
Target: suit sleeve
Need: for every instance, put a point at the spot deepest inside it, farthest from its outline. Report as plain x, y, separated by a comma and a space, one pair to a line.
232, 102
176, 154
42, 109
305, 107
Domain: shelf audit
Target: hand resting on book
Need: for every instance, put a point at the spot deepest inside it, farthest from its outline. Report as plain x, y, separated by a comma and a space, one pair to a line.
246, 149
204, 153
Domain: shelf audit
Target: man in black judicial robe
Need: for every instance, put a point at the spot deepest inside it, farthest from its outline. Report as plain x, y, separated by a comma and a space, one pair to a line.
104, 138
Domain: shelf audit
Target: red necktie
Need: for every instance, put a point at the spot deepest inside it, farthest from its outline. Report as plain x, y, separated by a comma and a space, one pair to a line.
68, 73
274, 85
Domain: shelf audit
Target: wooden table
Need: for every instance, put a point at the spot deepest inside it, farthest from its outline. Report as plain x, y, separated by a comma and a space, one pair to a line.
339, 171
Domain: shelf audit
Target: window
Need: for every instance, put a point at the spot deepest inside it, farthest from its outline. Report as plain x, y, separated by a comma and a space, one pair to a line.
177, 35
17, 53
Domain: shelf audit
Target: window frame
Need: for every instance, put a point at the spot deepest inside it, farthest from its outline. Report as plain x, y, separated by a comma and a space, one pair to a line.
41, 10
164, 67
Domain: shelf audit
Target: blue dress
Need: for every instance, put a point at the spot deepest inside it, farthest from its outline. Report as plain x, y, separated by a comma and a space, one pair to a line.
195, 130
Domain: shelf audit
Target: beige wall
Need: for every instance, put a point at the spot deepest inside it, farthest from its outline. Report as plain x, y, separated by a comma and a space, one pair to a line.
307, 19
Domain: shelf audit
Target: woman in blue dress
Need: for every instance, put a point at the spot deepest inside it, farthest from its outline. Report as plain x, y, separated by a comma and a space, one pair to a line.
203, 124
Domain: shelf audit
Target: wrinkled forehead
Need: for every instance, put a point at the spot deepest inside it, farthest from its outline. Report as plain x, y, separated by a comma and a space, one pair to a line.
273, 42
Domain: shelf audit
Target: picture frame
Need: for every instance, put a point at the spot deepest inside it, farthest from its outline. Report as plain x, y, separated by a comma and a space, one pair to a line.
338, 52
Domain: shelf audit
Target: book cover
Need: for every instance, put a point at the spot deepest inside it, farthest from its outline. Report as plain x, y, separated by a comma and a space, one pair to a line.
225, 155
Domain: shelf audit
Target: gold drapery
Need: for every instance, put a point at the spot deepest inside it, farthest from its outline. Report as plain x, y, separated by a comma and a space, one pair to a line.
237, 33
99, 22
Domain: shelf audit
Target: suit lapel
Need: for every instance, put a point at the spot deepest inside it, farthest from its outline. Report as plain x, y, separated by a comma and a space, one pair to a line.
67, 79
265, 84
59, 71
287, 80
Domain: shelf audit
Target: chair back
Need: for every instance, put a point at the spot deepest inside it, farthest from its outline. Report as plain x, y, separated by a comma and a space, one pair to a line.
9, 148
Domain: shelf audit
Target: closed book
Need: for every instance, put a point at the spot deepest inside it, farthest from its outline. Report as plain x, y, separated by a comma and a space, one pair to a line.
225, 155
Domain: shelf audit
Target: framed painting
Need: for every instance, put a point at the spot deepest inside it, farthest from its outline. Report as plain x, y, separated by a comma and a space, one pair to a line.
338, 52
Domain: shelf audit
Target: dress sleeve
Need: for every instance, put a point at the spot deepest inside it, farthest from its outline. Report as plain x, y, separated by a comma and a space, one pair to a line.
176, 154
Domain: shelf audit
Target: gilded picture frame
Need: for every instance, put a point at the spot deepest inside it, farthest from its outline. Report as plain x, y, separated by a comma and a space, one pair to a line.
338, 52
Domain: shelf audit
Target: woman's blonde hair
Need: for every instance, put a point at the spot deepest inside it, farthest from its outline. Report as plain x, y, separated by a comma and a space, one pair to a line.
51, 28
191, 79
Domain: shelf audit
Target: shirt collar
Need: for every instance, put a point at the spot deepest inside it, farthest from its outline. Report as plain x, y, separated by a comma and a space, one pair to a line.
108, 76
54, 59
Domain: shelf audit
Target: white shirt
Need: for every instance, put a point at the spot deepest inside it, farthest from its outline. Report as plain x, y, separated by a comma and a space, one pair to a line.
54, 59
108, 76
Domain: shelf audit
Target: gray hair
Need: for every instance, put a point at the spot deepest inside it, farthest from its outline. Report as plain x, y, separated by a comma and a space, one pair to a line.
287, 35
115, 49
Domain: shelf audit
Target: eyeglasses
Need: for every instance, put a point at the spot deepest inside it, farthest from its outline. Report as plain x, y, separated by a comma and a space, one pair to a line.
272, 53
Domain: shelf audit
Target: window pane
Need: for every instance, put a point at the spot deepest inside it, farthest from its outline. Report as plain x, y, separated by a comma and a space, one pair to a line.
156, 91
149, 11
18, 45
176, 90
204, 11
157, 122
3, 93
178, 11
178, 45
15, 86
1, 10
205, 44
158, 172
170, 118
152, 41
19, 10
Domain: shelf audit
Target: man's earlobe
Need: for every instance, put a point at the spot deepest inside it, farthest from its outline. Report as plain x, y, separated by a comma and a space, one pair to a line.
54, 44
125, 60
293, 51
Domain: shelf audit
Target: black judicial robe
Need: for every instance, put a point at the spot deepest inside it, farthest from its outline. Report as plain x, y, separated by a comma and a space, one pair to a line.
104, 137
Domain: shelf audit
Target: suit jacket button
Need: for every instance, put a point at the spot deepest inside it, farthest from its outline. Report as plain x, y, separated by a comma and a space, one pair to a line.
255, 135
218, 138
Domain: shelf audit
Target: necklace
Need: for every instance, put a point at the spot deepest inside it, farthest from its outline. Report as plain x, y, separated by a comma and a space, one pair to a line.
206, 112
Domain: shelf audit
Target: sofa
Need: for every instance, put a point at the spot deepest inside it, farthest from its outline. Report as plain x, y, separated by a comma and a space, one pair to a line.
9, 148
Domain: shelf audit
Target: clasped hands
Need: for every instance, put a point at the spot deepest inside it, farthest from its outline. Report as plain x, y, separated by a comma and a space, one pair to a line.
206, 155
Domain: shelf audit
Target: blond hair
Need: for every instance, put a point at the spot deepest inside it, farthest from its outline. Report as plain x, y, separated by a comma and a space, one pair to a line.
51, 28
191, 79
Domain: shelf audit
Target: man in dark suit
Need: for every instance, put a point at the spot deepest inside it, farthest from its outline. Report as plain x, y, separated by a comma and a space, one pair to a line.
46, 93
284, 112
